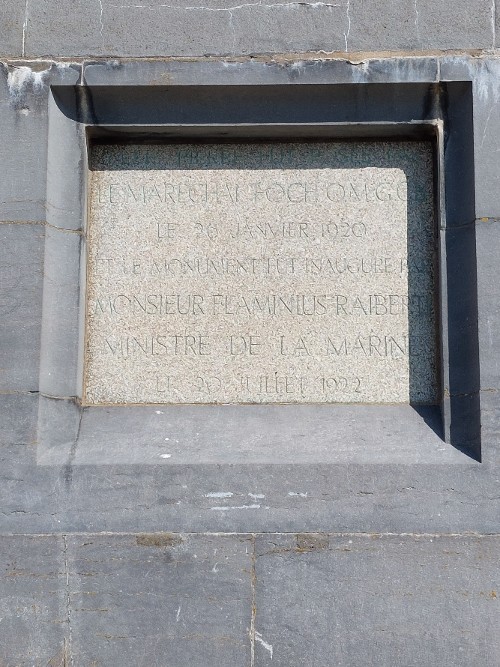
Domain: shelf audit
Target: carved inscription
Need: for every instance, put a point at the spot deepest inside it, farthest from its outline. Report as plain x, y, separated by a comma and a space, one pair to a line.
261, 273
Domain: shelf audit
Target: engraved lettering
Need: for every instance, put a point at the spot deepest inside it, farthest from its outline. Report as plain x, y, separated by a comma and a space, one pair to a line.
254, 272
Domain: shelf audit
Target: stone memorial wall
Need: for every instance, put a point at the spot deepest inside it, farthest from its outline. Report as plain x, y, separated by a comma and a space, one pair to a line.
249, 333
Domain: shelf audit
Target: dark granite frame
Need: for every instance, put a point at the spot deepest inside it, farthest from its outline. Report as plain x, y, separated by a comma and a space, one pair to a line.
135, 101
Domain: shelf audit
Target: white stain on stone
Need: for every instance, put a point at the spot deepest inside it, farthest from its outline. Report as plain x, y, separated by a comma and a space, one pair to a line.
101, 17
25, 28
22, 78
284, 5
348, 31
219, 494
417, 26
257, 496
486, 82
178, 614
360, 71
220, 508
493, 12
266, 645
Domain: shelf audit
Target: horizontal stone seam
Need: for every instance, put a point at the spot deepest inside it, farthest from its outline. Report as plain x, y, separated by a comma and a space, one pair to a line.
41, 223
75, 399
462, 225
491, 220
249, 535
352, 57
63, 229
18, 392
28, 392
462, 394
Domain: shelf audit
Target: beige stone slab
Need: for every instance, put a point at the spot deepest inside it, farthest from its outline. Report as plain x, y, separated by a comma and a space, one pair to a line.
261, 273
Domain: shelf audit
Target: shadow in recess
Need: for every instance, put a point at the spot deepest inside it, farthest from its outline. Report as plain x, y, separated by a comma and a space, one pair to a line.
423, 272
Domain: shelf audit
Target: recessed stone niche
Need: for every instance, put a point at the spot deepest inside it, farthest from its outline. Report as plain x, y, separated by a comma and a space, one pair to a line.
258, 272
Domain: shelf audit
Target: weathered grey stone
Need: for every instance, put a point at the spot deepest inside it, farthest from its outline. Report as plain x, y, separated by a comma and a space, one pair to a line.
213, 72
404, 600
160, 30
23, 122
490, 427
241, 435
461, 296
164, 597
257, 273
21, 263
29, 495
393, 24
497, 24
160, 599
483, 73
246, 104
488, 261
61, 313
57, 431
12, 17
24, 90
67, 29
463, 25
376, 600
34, 628
67, 160
485, 76
461, 496
457, 498
419, 25
18, 415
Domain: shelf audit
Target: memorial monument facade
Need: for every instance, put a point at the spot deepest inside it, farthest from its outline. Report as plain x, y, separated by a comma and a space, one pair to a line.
249, 334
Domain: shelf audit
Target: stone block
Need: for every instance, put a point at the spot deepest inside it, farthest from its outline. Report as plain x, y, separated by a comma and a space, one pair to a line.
490, 427
160, 599
66, 29
12, 17
255, 71
483, 73
486, 137
18, 418
24, 90
23, 150
149, 29
34, 628
312, 280
61, 308
71, 28
461, 344
488, 260
21, 263
420, 25
376, 600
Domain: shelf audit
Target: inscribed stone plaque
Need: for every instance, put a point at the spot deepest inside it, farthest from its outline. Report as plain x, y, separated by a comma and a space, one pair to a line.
261, 273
